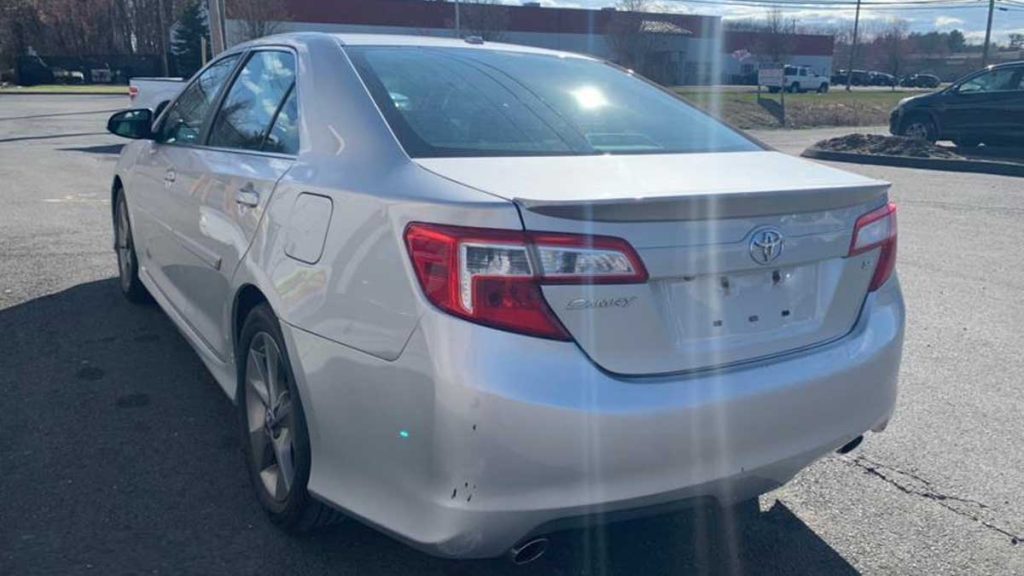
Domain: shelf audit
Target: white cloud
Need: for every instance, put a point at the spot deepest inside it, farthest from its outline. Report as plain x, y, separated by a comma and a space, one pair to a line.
948, 22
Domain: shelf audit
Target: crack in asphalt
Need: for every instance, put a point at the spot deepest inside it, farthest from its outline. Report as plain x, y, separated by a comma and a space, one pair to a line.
882, 472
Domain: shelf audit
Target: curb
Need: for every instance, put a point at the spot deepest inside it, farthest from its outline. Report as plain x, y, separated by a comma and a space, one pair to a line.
946, 164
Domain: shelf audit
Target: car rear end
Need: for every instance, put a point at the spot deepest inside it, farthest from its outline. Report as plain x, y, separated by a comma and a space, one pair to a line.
641, 362
673, 320
151, 92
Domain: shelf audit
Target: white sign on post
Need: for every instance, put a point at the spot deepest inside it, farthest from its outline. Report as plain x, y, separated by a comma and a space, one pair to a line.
771, 77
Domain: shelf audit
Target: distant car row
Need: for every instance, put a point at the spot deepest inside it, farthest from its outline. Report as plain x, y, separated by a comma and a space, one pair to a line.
804, 79
874, 78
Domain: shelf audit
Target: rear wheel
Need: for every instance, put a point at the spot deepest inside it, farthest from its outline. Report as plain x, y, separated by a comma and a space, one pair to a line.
127, 260
920, 127
274, 434
823, 88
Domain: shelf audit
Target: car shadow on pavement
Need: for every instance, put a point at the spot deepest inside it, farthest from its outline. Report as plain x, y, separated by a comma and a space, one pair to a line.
124, 457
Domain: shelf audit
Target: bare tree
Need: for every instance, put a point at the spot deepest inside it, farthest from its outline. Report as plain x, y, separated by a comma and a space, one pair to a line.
778, 37
259, 17
893, 48
626, 36
487, 19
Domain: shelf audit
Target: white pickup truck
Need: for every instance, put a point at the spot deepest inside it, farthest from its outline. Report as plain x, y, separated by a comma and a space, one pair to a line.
802, 79
150, 92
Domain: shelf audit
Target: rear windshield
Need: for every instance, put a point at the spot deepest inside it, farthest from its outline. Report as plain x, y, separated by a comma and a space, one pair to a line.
444, 102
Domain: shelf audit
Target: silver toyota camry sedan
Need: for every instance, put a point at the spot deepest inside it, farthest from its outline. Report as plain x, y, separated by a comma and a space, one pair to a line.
470, 293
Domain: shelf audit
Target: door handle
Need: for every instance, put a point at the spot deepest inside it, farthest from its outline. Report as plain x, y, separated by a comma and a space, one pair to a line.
247, 196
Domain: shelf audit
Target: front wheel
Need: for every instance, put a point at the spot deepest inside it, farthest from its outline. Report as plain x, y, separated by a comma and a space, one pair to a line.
794, 87
127, 259
274, 434
919, 127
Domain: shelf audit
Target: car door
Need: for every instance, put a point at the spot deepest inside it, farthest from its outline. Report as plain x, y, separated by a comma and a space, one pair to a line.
163, 181
251, 143
986, 105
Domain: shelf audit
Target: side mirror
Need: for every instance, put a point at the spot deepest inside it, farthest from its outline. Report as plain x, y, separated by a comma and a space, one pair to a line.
135, 124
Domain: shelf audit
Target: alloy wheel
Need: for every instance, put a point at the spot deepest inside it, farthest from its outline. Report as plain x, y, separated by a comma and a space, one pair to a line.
916, 130
270, 419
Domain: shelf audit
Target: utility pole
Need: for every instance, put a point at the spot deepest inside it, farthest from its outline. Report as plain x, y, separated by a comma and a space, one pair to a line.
458, 24
853, 47
215, 9
988, 32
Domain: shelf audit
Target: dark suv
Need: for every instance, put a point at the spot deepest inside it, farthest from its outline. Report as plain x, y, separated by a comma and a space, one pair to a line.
983, 107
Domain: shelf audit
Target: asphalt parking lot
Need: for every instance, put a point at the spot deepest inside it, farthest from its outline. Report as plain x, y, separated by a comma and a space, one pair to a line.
118, 452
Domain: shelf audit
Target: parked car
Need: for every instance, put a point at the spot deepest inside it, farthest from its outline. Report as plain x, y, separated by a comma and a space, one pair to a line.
62, 76
984, 107
470, 292
802, 79
881, 79
921, 81
152, 92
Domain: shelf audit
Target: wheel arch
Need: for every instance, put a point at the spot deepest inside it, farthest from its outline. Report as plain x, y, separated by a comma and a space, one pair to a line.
247, 297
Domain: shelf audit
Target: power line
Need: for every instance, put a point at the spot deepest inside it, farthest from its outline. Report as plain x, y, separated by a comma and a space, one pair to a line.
811, 4
875, 5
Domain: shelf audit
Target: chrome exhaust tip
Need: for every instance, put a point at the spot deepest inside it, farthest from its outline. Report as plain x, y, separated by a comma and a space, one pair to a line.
528, 551
851, 445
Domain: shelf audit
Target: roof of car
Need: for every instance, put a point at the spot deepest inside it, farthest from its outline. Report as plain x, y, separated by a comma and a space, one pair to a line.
410, 40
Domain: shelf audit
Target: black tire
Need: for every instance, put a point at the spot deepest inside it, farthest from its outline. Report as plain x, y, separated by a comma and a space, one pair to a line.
823, 89
127, 260
774, 89
297, 511
919, 126
794, 88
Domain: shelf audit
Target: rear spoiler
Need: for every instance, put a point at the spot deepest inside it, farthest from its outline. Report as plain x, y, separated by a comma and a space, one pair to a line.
714, 206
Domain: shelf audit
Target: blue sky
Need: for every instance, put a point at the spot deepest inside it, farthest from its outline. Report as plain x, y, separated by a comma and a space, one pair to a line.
968, 15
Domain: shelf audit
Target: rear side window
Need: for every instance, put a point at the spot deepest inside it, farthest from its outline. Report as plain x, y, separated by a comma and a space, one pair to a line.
252, 102
185, 119
470, 102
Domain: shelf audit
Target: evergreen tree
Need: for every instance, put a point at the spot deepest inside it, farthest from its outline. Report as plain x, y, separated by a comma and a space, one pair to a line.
186, 45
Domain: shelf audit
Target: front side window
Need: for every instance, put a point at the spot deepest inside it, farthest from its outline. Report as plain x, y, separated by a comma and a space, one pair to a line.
1002, 80
252, 102
468, 102
184, 121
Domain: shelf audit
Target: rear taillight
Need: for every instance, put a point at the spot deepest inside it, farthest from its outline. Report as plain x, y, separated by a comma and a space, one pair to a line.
877, 229
132, 92
494, 277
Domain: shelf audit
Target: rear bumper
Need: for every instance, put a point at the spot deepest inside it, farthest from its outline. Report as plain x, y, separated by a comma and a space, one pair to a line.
475, 438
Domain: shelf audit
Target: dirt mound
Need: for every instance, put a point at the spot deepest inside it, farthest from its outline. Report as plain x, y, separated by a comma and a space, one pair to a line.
886, 146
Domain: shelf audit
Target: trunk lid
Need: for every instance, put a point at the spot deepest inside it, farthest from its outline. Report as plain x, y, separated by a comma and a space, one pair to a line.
746, 251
